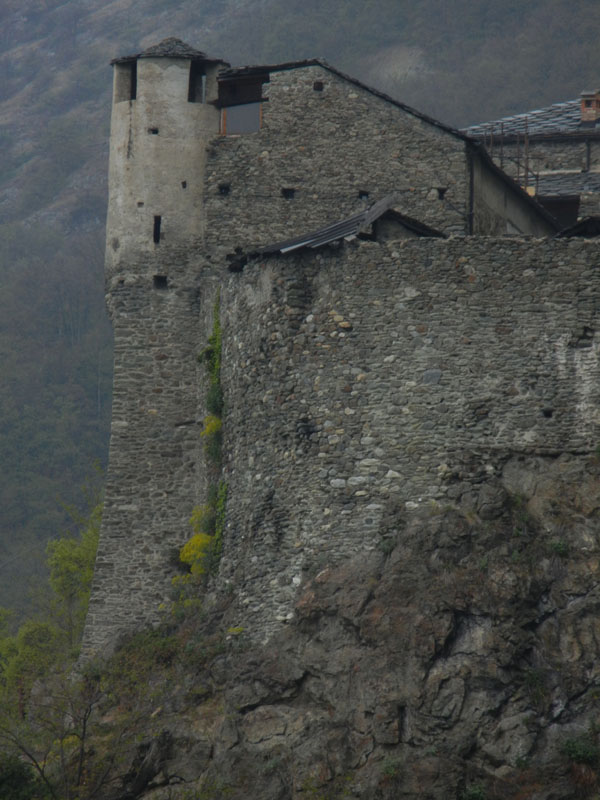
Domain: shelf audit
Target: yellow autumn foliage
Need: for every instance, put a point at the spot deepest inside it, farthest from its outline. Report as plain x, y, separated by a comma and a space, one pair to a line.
212, 425
194, 552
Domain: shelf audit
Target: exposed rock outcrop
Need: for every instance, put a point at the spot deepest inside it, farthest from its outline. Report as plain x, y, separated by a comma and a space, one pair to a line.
461, 660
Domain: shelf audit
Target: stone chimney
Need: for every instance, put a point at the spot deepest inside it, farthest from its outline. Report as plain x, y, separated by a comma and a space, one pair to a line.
590, 106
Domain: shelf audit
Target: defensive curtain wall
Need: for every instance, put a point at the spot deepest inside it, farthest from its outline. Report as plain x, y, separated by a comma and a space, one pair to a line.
363, 383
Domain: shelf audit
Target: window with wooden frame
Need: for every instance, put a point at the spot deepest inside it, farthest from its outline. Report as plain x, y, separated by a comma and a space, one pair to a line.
241, 102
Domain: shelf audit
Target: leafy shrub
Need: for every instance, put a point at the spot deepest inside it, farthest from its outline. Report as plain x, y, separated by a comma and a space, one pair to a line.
391, 767
213, 437
214, 399
475, 792
559, 548
193, 553
582, 749
18, 780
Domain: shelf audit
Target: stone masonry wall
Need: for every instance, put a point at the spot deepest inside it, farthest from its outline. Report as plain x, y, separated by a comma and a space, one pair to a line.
328, 145
156, 468
367, 382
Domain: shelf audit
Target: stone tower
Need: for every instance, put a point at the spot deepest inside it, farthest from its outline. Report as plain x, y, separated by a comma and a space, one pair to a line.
162, 119
163, 114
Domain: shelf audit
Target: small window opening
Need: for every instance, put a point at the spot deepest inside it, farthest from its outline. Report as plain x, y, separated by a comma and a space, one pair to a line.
318, 86
161, 282
197, 83
548, 412
140, 203
363, 195
237, 260
153, 131
588, 103
184, 184
133, 81
441, 190
288, 193
157, 221
126, 81
242, 90
224, 188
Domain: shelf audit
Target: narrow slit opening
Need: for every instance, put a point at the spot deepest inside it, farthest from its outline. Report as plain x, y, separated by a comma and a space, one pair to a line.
156, 234
197, 83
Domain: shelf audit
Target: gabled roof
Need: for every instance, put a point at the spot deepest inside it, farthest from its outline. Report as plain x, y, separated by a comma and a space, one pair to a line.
565, 183
559, 118
240, 72
169, 48
347, 228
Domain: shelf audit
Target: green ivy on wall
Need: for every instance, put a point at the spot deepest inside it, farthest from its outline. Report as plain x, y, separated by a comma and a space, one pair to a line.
201, 554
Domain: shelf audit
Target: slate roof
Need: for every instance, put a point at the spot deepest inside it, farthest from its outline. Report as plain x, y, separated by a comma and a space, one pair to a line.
347, 228
555, 119
568, 183
169, 48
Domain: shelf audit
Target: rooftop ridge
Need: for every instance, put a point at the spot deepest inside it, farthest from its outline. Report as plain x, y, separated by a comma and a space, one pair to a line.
171, 47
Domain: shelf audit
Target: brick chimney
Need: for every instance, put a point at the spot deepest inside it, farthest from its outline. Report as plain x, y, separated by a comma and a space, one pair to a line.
590, 106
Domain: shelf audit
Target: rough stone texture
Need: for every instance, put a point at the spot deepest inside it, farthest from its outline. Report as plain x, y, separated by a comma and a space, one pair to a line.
166, 162
378, 377
408, 590
465, 653
329, 146
156, 468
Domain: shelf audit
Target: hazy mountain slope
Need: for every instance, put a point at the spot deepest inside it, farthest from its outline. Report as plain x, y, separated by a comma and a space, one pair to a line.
460, 61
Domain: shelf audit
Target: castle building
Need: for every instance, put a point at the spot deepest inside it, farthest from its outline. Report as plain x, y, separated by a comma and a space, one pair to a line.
553, 152
391, 330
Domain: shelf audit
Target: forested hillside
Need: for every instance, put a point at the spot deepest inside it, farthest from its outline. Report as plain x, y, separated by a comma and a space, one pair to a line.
460, 61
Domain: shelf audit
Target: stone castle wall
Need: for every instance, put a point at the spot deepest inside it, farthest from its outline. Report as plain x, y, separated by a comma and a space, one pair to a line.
374, 380
156, 469
362, 383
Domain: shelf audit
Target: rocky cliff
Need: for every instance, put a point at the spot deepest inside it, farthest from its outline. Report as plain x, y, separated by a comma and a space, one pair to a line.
460, 660
407, 599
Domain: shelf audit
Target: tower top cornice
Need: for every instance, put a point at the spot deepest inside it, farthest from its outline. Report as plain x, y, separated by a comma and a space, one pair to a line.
171, 47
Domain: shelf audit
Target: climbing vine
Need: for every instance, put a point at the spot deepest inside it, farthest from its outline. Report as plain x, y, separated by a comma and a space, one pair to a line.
201, 554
